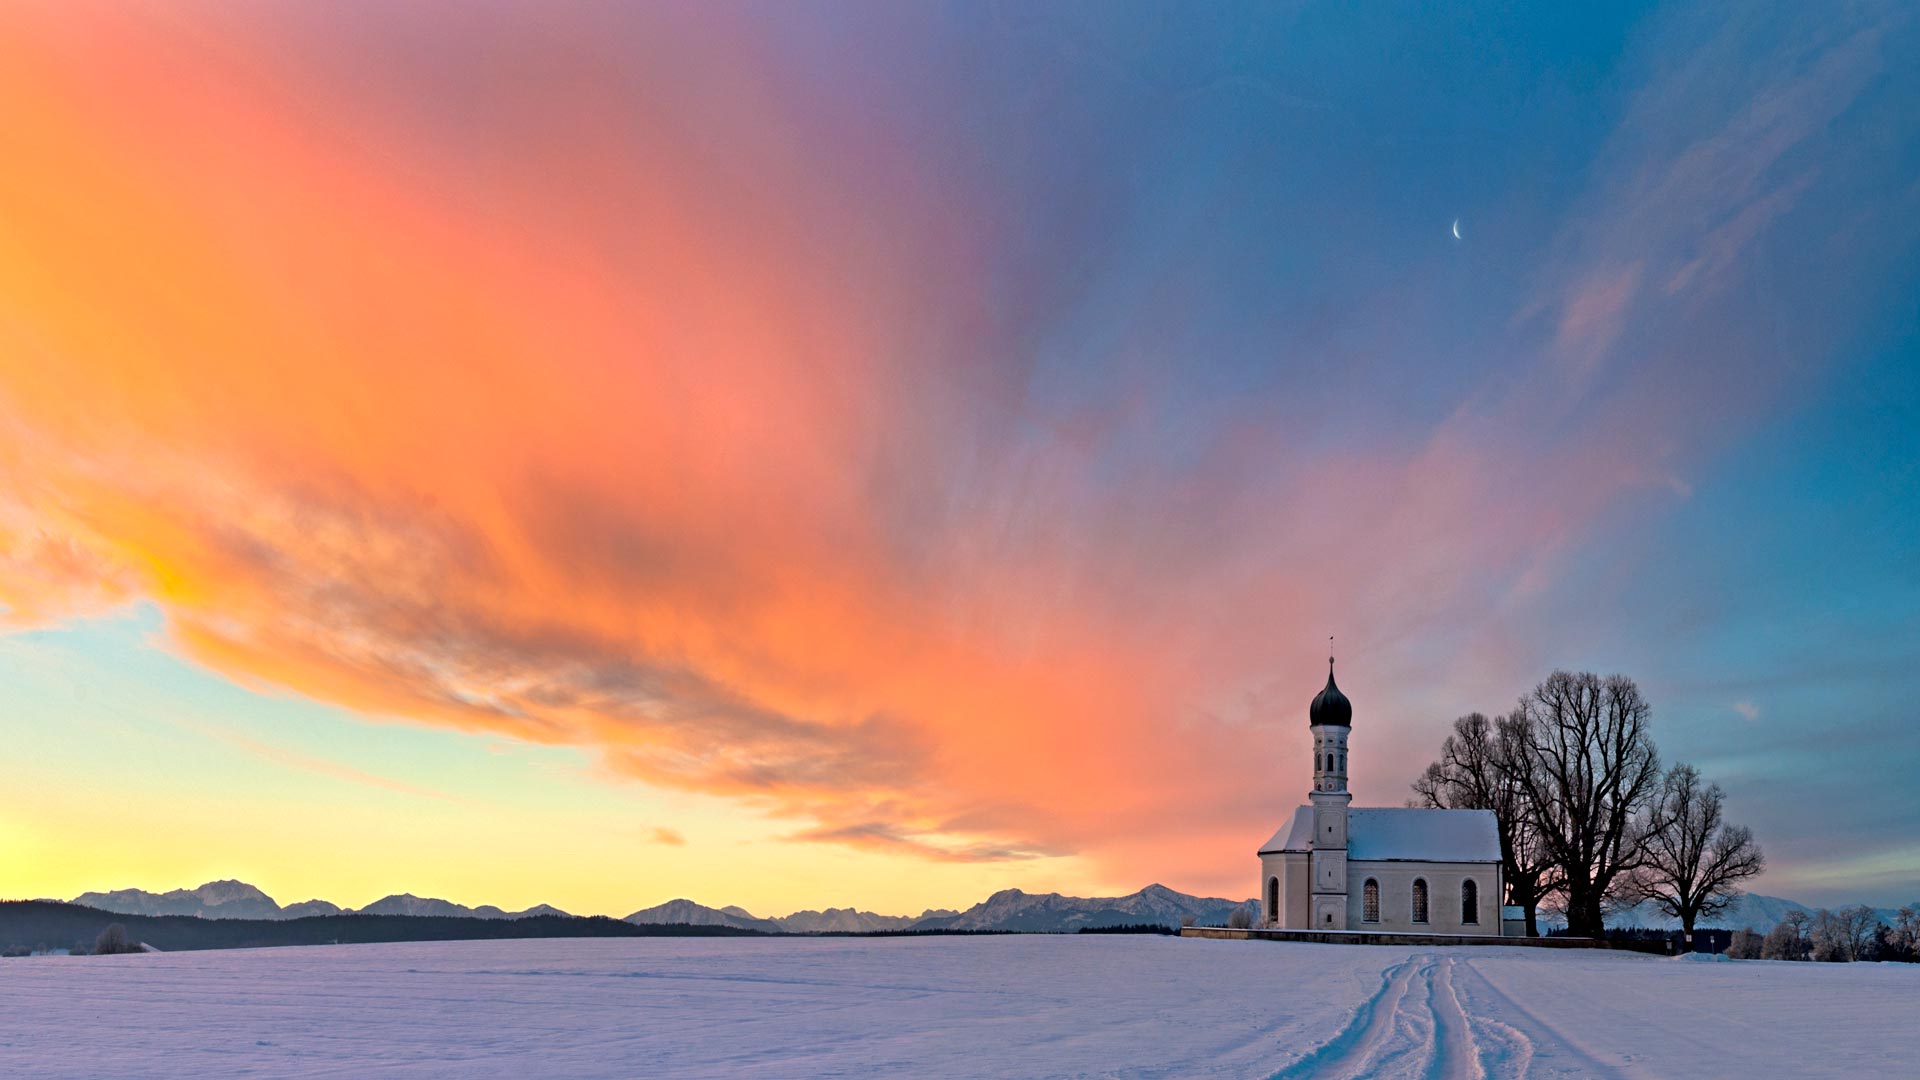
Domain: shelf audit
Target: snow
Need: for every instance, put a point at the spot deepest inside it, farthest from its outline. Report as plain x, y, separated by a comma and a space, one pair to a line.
1430, 835
912, 1007
1402, 833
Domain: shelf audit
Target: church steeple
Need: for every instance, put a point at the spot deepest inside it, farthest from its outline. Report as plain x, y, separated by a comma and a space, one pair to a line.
1331, 717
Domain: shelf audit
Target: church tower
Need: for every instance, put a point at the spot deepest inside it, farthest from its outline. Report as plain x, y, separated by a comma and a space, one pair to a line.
1331, 717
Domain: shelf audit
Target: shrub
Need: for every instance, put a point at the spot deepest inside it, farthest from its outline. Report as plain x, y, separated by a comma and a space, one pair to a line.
16, 950
1787, 941
114, 941
1745, 945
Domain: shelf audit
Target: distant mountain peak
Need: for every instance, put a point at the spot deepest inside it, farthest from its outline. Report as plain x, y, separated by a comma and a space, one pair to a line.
685, 911
225, 899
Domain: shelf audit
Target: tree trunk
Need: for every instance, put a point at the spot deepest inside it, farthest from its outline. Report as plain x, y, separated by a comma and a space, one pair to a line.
1583, 913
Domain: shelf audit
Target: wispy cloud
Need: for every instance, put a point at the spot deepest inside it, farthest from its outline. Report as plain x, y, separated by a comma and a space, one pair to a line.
682, 411
314, 763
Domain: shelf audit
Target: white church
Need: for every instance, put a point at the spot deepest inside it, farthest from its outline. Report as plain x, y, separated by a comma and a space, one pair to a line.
1381, 869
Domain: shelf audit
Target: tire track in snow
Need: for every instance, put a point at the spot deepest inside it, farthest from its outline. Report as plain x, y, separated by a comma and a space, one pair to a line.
1416, 1032
1532, 1042
1371, 1024
1456, 1054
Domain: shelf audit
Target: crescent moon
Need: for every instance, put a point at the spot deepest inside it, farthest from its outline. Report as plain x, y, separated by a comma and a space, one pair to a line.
1456, 228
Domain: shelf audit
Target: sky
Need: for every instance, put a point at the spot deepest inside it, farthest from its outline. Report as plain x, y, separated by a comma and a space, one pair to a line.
876, 454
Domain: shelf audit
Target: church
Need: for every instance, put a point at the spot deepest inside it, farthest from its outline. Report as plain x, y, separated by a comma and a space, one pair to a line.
1379, 869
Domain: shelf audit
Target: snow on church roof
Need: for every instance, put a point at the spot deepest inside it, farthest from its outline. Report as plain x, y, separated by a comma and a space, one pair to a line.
1380, 834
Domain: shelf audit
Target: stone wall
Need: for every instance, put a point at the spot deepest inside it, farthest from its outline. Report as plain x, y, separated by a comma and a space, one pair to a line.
1362, 937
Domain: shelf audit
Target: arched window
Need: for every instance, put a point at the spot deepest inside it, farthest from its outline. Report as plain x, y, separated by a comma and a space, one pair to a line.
1329, 762
1469, 901
1371, 899
1273, 900
1419, 900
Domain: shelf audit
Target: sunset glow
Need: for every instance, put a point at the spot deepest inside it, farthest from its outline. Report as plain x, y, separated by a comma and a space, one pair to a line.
590, 456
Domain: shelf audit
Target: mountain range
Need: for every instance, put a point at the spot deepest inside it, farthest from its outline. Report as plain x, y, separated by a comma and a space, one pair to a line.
1008, 910
239, 900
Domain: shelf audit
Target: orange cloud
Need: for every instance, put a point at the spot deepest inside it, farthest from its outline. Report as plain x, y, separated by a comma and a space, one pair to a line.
593, 422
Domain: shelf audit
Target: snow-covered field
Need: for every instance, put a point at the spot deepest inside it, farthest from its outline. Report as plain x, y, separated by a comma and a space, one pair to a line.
940, 1007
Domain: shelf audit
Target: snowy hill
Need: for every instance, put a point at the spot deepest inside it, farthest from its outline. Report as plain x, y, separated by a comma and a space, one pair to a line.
305, 908
1027, 1006
692, 914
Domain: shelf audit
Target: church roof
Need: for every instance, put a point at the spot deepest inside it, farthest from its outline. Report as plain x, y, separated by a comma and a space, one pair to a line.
1401, 834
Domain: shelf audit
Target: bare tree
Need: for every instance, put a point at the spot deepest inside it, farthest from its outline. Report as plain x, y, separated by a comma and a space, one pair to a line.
1744, 945
1845, 935
1696, 861
1862, 926
1475, 772
1788, 938
1905, 933
1240, 919
1590, 777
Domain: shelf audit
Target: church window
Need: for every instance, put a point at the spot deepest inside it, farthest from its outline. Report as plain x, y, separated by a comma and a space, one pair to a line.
1469, 901
1419, 900
1371, 909
1273, 900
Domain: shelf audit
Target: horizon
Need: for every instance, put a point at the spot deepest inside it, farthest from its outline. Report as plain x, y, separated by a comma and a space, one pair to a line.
773, 913
876, 457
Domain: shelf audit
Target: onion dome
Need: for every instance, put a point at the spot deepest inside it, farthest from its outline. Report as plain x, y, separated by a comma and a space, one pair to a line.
1330, 706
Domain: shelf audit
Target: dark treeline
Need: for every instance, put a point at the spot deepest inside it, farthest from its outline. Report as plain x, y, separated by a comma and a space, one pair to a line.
1131, 928
34, 925
1850, 933
30, 924
932, 931
1665, 942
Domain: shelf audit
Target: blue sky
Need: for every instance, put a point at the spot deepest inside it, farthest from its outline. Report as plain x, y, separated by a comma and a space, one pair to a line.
885, 454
